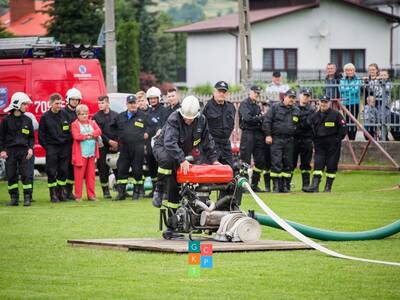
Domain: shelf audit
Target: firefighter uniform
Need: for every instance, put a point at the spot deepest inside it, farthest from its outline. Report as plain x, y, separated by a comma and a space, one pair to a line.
130, 128
157, 116
69, 183
55, 137
280, 123
16, 138
252, 141
329, 128
221, 122
170, 110
104, 120
303, 145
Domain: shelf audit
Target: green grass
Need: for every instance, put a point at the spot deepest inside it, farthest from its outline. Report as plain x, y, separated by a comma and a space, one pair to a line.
36, 262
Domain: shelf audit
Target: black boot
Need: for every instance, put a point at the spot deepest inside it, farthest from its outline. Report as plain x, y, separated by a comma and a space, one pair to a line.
285, 184
53, 195
27, 199
121, 189
62, 193
267, 182
136, 192
328, 184
106, 192
151, 194
141, 191
14, 199
305, 178
276, 187
171, 232
314, 188
255, 179
158, 195
69, 195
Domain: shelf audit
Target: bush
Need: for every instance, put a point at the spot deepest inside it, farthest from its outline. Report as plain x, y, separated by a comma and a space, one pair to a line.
205, 89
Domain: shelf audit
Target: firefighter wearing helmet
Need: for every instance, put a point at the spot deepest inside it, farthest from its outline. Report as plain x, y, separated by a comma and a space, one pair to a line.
157, 115
73, 98
16, 147
184, 133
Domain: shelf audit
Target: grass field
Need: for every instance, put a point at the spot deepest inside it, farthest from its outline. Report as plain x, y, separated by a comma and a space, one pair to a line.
36, 263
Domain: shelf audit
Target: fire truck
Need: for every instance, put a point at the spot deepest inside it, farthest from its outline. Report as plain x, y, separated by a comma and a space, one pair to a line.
40, 67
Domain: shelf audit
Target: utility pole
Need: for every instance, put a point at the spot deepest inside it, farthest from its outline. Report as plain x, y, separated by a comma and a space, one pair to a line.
246, 68
111, 56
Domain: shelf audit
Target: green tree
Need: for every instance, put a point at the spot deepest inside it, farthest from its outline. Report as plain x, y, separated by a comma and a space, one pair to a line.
3, 32
75, 21
128, 56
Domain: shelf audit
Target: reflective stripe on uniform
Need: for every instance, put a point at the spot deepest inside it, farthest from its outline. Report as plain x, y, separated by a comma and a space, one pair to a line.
166, 203
330, 175
305, 171
273, 174
53, 184
104, 184
26, 186
122, 181
61, 183
154, 179
266, 172
317, 173
13, 186
286, 175
69, 181
164, 171
255, 169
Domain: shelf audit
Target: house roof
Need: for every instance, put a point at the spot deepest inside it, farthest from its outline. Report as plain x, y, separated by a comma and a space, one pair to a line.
31, 24
231, 21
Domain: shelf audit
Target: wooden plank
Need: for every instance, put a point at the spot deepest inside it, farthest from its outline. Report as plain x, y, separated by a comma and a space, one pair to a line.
181, 246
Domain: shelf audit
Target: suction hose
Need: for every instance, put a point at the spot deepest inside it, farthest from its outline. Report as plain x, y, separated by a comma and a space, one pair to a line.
328, 235
242, 182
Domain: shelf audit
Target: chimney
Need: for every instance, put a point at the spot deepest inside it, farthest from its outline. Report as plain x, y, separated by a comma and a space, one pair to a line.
20, 8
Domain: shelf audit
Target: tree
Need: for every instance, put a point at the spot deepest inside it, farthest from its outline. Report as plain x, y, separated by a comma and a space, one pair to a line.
3, 31
75, 21
128, 56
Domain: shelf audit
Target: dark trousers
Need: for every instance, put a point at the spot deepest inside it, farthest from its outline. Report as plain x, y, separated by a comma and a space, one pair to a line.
224, 152
57, 162
151, 162
282, 156
103, 168
352, 127
327, 154
303, 147
17, 165
253, 143
167, 175
131, 155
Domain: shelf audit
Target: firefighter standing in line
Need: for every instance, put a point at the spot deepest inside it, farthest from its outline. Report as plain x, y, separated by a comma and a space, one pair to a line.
104, 117
220, 115
279, 126
16, 146
252, 141
173, 101
267, 154
130, 127
55, 137
329, 129
186, 130
303, 145
157, 116
73, 99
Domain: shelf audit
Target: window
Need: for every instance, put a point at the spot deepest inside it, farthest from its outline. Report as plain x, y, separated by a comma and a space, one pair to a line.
340, 57
279, 59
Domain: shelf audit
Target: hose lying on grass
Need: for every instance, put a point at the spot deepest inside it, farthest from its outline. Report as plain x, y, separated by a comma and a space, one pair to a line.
327, 235
283, 224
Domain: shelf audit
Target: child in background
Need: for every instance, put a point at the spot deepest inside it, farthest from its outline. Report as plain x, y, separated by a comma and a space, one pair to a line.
370, 117
85, 150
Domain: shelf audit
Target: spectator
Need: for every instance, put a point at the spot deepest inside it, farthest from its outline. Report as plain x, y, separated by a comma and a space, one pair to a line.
276, 90
85, 150
373, 85
349, 89
173, 101
370, 116
332, 80
142, 102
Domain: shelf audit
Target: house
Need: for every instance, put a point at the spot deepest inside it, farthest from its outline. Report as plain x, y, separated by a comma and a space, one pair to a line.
298, 39
26, 18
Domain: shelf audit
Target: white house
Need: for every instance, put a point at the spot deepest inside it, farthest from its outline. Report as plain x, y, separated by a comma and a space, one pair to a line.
297, 39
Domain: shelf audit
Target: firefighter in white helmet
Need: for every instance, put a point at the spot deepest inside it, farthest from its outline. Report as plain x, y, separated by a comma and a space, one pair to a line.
73, 98
185, 132
157, 116
16, 147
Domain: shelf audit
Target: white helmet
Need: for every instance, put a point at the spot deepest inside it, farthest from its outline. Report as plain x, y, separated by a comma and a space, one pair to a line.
111, 160
17, 99
190, 107
74, 94
153, 92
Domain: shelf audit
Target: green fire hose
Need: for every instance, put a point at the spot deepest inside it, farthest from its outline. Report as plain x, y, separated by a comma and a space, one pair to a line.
327, 235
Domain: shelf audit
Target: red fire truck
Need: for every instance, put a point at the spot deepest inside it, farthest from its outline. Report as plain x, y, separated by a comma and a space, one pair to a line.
40, 67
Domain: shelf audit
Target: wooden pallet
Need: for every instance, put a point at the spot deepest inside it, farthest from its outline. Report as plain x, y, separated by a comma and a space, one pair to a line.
181, 246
